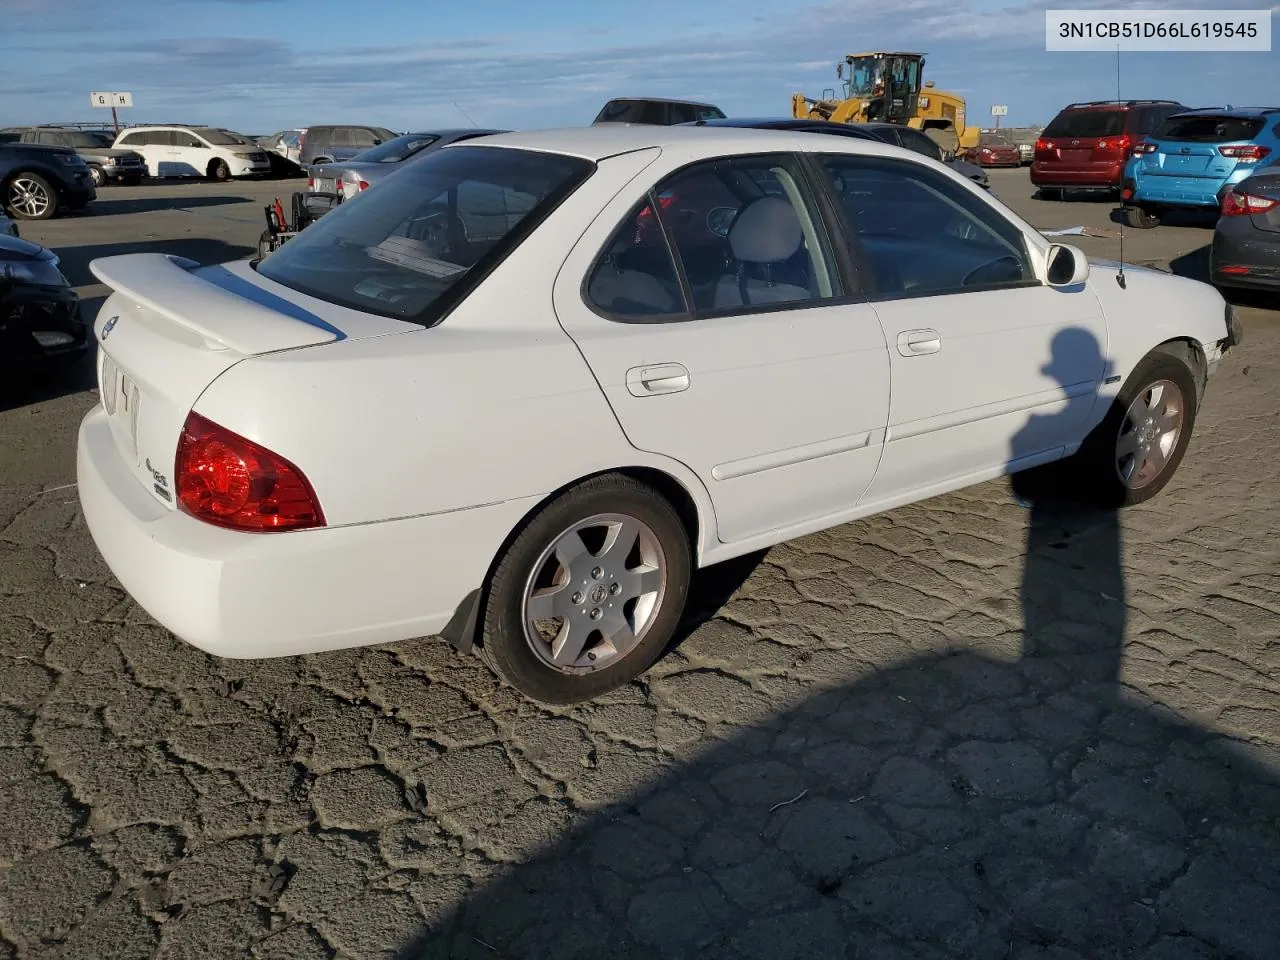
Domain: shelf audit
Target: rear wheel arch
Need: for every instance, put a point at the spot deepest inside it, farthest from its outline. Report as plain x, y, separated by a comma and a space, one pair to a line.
464, 630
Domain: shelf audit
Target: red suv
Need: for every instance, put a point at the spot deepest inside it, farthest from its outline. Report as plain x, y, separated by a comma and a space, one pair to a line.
1086, 145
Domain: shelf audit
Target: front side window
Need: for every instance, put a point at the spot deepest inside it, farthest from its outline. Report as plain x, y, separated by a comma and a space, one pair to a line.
919, 234
413, 247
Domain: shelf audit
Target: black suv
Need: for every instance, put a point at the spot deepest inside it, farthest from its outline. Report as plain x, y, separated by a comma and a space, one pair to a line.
656, 111
106, 164
37, 182
329, 142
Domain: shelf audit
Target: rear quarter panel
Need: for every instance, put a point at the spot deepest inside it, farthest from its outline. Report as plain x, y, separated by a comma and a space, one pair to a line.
493, 404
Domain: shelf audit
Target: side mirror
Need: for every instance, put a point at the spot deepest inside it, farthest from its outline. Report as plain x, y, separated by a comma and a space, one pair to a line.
1068, 266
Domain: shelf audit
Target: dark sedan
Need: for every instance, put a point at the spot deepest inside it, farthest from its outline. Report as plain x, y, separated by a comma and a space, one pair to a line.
40, 320
891, 133
1246, 241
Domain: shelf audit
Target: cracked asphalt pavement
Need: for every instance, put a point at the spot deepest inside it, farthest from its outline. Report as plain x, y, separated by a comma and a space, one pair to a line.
983, 726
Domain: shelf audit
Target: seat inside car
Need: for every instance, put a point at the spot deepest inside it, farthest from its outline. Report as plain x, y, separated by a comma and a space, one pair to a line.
765, 238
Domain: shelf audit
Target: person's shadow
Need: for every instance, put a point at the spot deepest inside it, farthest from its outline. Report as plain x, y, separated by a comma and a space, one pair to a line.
1073, 590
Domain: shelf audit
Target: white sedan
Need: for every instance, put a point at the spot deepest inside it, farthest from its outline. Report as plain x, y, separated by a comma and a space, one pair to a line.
519, 393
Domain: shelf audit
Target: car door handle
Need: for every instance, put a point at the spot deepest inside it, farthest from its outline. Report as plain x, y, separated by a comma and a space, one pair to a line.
915, 343
659, 378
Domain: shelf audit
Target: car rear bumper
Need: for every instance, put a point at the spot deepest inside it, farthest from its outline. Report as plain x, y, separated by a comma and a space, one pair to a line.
1100, 177
247, 595
1244, 256
41, 327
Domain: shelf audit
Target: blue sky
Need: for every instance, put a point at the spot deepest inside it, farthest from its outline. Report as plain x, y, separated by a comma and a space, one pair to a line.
262, 65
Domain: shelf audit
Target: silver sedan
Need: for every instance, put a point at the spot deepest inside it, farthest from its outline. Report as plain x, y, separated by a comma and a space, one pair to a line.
340, 181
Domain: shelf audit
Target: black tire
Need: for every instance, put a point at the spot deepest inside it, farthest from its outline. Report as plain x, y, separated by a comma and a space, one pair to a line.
131, 181
97, 176
1049, 193
503, 643
53, 201
1143, 218
1097, 464
218, 170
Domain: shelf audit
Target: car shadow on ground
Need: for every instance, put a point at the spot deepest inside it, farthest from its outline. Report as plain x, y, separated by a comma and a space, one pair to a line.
108, 206
1203, 219
1020, 802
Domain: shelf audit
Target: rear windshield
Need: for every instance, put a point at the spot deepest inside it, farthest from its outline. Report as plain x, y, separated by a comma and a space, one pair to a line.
413, 247
76, 138
1210, 129
393, 151
1086, 123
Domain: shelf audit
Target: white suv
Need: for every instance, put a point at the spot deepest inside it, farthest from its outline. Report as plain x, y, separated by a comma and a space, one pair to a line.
195, 152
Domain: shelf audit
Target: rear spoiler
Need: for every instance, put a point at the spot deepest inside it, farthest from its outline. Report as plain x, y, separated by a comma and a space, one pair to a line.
165, 285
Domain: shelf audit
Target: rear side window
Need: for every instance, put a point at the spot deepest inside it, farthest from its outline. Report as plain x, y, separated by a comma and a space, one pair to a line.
1210, 129
415, 246
710, 113
132, 140
919, 143
1086, 123
682, 113
620, 111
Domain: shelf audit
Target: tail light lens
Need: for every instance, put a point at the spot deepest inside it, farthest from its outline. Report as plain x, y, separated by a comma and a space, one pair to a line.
1245, 153
229, 481
364, 184
311, 183
1142, 148
1120, 144
1243, 204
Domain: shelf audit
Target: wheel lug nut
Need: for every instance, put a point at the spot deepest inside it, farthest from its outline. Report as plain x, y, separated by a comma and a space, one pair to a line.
591, 656
613, 589
577, 597
597, 573
596, 614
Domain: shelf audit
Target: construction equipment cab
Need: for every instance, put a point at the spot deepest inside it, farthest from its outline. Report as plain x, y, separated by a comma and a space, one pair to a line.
888, 88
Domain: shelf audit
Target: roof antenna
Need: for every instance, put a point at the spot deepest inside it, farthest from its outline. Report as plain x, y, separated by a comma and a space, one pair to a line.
474, 124
1120, 279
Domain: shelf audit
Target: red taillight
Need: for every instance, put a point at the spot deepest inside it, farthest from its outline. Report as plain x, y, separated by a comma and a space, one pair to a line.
1243, 204
1238, 271
226, 480
364, 184
1144, 147
1042, 145
311, 183
1120, 144
1246, 153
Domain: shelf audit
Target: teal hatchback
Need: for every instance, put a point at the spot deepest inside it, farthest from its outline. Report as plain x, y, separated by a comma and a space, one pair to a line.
1194, 158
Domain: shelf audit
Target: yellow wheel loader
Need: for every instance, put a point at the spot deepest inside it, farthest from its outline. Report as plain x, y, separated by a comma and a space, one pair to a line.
885, 87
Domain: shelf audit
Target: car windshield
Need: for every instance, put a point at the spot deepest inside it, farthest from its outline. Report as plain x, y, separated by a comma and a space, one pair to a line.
92, 141
221, 137
1210, 129
1086, 123
400, 148
414, 246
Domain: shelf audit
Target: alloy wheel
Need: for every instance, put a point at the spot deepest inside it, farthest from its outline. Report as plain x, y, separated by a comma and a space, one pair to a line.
1149, 434
29, 198
594, 592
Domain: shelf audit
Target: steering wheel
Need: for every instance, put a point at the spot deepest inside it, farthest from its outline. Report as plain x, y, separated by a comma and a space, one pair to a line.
989, 265
436, 230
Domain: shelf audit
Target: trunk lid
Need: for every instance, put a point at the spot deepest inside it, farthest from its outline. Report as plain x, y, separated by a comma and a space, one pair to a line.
1193, 145
170, 328
1186, 160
